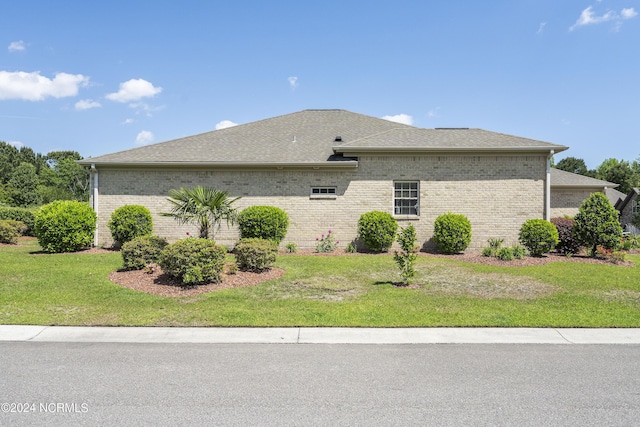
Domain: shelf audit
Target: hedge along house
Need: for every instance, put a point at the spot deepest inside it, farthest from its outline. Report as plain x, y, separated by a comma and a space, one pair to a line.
327, 167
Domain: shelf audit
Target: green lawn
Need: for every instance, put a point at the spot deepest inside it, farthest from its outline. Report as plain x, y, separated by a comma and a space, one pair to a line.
74, 289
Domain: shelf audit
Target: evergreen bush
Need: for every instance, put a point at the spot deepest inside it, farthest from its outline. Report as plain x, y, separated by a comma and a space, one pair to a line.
452, 233
23, 215
377, 230
406, 258
142, 251
263, 222
128, 222
255, 254
10, 230
193, 261
597, 224
538, 236
65, 226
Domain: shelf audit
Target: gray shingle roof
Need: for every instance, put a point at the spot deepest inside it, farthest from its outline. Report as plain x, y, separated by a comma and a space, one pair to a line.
417, 139
560, 178
309, 138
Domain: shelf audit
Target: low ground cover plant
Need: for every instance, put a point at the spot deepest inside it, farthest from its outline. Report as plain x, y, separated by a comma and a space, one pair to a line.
142, 251
495, 249
65, 226
128, 222
263, 222
193, 261
255, 254
538, 236
452, 233
377, 230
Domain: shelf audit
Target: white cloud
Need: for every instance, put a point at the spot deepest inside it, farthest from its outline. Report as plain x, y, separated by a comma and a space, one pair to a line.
400, 118
134, 90
127, 122
17, 46
293, 82
225, 124
541, 28
87, 104
34, 87
588, 17
145, 137
16, 144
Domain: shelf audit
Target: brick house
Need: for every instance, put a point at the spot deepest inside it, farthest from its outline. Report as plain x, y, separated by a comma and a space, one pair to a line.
569, 190
629, 207
327, 167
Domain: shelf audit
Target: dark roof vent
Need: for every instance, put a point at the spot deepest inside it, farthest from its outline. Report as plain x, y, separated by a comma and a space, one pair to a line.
338, 138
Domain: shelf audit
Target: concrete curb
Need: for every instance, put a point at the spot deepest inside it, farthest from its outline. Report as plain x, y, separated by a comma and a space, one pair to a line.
28, 333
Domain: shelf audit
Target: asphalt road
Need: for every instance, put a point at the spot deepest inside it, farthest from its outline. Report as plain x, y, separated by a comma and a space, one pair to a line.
122, 384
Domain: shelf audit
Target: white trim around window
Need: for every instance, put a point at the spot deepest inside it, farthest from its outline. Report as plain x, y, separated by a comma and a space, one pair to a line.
406, 198
323, 193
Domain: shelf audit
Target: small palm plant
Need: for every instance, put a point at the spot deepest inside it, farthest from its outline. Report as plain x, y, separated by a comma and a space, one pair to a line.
202, 206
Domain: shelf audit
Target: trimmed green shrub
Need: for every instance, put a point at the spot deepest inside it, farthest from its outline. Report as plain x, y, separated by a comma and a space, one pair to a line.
377, 230
597, 224
452, 233
193, 261
263, 222
10, 230
142, 251
23, 215
538, 236
255, 254
65, 226
567, 243
128, 222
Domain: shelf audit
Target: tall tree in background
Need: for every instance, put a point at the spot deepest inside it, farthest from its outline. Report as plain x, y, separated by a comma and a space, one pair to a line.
23, 185
621, 172
573, 165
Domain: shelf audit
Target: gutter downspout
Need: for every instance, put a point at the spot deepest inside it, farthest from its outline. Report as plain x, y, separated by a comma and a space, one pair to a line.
547, 202
94, 198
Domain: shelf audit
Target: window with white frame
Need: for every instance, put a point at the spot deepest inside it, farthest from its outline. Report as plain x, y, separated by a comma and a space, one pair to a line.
406, 199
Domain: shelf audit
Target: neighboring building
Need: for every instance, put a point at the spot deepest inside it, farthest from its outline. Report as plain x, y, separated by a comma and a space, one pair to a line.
569, 190
327, 167
629, 207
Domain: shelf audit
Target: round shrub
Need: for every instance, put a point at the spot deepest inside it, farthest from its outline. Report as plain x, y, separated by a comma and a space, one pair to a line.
263, 222
597, 224
128, 222
23, 215
10, 230
142, 251
65, 226
538, 236
377, 230
193, 261
255, 254
567, 243
452, 233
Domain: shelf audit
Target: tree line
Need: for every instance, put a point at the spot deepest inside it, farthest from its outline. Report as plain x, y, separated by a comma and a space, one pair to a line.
622, 172
32, 179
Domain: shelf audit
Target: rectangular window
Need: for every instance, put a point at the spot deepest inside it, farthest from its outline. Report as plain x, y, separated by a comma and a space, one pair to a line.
634, 206
406, 199
323, 192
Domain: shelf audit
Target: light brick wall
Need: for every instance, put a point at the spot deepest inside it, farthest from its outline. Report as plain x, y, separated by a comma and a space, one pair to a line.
496, 193
567, 201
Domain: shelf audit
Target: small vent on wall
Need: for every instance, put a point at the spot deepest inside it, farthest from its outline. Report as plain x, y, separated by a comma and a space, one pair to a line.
338, 138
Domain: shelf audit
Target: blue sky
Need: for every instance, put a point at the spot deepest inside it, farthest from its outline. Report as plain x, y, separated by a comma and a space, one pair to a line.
104, 76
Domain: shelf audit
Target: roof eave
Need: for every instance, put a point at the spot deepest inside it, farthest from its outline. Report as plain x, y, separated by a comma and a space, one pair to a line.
354, 151
347, 164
